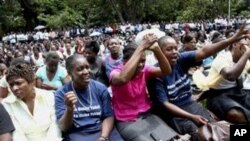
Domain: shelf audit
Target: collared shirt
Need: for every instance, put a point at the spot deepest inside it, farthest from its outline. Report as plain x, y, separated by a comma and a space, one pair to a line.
4, 84
41, 126
6, 125
214, 79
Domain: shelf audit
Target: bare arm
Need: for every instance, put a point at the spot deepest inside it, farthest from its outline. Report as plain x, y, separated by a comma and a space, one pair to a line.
232, 73
6, 137
66, 79
131, 65
3, 92
66, 121
39, 83
107, 126
209, 50
199, 120
165, 67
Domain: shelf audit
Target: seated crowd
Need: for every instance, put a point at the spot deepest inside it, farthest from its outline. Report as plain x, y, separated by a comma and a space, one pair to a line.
95, 89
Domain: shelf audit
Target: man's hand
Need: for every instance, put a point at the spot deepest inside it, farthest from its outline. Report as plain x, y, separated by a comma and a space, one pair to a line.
241, 31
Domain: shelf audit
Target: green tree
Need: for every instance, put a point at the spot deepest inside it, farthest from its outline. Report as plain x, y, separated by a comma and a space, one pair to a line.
26, 14
11, 17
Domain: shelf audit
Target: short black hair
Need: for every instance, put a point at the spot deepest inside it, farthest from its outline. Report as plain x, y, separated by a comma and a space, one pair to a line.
215, 36
18, 61
129, 50
22, 70
187, 38
93, 45
164, 39
200, 34
52, 55
228, 32
70, 61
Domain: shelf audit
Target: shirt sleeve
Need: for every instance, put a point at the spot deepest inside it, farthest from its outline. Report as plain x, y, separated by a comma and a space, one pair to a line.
187, 60
114, 72
59, 103
6, 125
18, 134
221, 62
147, 70
63, 73
158, 91
39, 73
3, 82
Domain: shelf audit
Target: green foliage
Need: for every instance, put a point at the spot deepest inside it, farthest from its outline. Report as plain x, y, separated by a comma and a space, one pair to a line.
245, 13
241, 7
26, 14
58, 13
66, 17
11, 17
202, 9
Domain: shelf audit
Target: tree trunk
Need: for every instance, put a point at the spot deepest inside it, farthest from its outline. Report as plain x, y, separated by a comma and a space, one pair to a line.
114, 4
29, 14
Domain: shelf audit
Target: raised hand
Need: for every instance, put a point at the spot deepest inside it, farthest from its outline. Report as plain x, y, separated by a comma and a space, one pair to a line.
149, 40
242, 31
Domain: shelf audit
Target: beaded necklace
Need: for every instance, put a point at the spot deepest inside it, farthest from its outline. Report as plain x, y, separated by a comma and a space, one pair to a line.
90, 96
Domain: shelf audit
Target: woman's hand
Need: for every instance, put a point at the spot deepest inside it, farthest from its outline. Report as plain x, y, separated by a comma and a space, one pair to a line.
199, 120
149, 40
70, 100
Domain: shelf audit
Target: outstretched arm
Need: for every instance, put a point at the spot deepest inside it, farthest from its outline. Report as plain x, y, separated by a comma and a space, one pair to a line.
209, 50
197, 119
107, 126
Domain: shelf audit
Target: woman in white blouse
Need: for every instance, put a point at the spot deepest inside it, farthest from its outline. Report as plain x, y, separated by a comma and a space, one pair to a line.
31, 109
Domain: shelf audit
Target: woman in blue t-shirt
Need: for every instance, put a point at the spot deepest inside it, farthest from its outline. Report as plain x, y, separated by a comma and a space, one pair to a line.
171, 94
83, 106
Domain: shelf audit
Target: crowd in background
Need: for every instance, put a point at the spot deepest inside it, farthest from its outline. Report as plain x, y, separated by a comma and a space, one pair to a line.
74, 75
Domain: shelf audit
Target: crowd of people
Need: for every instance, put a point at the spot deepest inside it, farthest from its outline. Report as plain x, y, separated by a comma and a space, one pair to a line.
135, 84
219, 23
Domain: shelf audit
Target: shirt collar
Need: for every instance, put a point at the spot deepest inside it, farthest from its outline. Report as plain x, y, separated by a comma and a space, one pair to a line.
11, 98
